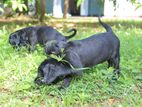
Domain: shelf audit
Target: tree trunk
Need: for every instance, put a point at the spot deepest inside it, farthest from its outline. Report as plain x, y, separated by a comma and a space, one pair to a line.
66, 5
40, 9
43, 6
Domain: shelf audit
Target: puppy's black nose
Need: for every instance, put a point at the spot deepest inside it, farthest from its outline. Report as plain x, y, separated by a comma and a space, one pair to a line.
38, 81
13, 43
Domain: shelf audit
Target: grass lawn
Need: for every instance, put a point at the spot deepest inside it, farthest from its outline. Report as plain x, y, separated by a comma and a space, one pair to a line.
94, 89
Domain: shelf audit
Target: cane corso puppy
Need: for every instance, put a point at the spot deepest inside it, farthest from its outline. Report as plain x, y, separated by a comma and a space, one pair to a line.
90, 51
31, 36
51, 71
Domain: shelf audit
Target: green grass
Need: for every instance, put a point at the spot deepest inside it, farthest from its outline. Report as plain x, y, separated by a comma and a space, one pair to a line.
94, 88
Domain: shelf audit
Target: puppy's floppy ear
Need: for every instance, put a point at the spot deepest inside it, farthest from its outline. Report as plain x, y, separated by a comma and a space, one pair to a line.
65, 70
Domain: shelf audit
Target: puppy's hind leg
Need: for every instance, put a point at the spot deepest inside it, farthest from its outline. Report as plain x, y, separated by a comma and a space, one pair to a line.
116, 62
110, 63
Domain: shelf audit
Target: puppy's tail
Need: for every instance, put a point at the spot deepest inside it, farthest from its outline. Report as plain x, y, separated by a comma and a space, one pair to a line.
107, 27
72, 35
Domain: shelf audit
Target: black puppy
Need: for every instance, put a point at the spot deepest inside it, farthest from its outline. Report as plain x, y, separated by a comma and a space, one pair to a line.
31, 36
51, 71
91, 51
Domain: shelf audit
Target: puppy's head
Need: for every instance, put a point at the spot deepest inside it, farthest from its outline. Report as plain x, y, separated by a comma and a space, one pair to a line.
18, 38
14, 39
51, 71
54, 47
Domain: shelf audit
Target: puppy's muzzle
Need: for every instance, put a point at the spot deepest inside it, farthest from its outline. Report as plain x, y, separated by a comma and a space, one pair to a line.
38, 81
